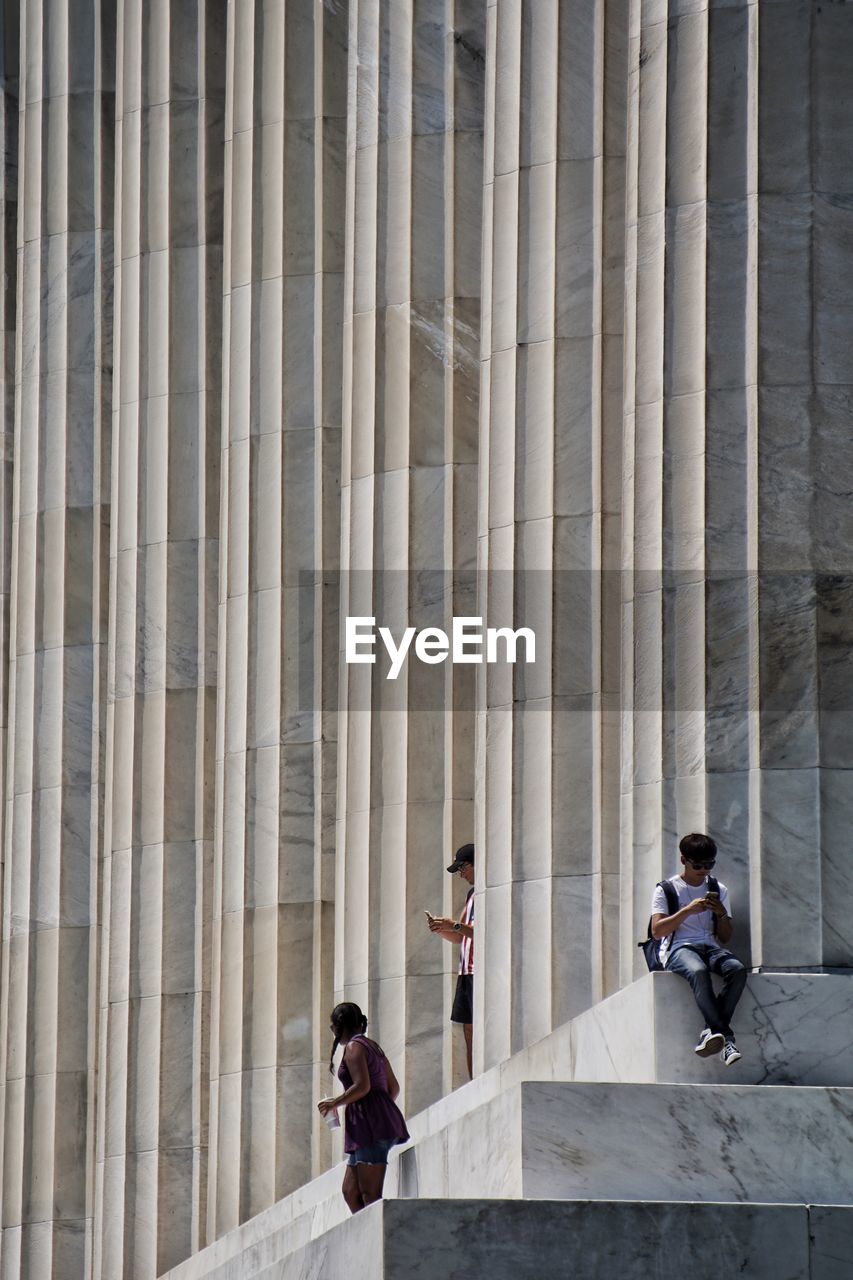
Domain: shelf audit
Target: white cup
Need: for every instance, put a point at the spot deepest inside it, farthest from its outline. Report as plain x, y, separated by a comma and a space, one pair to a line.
331, 1117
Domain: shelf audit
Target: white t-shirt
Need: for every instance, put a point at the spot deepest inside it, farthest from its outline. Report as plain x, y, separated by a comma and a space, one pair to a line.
695, 929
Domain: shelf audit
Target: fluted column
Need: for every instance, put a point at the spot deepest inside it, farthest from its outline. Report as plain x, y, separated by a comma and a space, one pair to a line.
276, 741
663, 760
550, 514
802, 911
690, 422
690, 658
731, 723
737, 550
57, 661
8, 252
412, 315
155, 998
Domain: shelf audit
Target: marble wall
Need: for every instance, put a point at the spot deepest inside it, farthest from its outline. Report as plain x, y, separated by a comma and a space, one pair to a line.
407, 309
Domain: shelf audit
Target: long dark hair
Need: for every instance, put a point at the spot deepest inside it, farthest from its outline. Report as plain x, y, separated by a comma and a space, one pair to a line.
347, 1018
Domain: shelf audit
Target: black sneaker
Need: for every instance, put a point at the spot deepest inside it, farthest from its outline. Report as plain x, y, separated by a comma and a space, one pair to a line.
710, 1042
730, 1054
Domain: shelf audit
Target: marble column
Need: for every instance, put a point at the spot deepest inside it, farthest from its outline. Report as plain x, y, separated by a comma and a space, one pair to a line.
8, 257
737, 547
551, 428
155, 993
802, 910
408, 511
276, 741
58, 632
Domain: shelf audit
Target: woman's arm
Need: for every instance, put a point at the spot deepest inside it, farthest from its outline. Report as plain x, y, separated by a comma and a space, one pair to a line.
393, 1084
356, 1060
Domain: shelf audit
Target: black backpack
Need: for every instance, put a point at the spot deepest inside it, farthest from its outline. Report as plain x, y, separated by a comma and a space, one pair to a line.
651, 946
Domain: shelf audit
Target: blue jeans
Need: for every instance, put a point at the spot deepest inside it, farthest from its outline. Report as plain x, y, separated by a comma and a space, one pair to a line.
696, 963
376, 1153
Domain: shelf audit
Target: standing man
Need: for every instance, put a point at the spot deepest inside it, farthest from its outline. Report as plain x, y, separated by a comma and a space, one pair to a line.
694, 943
462, 931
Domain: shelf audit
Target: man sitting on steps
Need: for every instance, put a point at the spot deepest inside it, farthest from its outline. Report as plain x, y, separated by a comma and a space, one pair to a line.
694, 939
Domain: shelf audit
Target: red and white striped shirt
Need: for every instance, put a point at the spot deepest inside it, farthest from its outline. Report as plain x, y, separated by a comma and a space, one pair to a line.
466, 950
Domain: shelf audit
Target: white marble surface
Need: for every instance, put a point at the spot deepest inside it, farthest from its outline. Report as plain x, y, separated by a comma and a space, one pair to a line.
771, 1144
615, 1039
454, 1152
592, 1241
355, 1248
795, 1029
286, 1225
193, 860
522, 1240
791, 1029
831, 1230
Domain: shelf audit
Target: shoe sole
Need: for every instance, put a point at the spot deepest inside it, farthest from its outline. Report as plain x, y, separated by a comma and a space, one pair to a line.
711, 1046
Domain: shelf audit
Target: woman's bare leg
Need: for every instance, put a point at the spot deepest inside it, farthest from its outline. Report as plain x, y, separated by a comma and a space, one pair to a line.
468, 1028
371, 1178
351, 1190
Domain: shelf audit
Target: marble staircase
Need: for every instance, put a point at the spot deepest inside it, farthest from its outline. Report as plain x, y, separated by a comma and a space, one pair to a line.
610, 1109
576, 1240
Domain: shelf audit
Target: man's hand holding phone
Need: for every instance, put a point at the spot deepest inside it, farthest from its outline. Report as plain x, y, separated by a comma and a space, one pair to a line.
438, 924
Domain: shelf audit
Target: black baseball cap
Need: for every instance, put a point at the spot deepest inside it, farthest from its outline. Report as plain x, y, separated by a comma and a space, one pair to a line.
463, 856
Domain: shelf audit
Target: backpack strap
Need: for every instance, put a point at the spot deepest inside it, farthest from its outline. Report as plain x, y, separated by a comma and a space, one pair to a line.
651, 946
670, 895
671, 904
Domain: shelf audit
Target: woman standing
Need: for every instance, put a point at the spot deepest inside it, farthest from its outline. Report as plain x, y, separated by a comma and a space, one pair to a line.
373, 1123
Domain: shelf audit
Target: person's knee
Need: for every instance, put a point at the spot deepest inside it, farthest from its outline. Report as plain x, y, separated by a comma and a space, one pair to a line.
354, 1200
736, 975
699, 978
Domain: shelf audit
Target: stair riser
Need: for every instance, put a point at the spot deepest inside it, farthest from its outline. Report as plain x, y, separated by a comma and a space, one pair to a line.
433, 1240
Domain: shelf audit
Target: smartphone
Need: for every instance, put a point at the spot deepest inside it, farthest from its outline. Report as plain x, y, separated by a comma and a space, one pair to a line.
428, 914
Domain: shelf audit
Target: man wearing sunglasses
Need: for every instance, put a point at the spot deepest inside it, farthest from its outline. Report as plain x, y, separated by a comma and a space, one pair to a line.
694, 943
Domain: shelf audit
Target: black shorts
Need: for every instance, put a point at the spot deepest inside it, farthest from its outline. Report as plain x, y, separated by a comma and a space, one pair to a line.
463, 1001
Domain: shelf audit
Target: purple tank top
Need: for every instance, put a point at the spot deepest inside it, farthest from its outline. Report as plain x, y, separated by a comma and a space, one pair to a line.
375, 1117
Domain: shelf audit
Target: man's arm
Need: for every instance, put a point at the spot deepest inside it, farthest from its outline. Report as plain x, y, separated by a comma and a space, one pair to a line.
663, 926
443, 926
725, 925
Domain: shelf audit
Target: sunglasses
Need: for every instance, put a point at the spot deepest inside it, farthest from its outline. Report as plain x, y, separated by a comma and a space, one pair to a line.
703, 866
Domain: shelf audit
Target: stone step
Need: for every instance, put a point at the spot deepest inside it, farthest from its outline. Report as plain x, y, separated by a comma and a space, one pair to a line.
791, 1028
564, 1140
552, 1140
584, 1240
287, 1225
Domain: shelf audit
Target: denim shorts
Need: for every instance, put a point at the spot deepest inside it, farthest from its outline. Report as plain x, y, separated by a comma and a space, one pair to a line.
376, 1153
